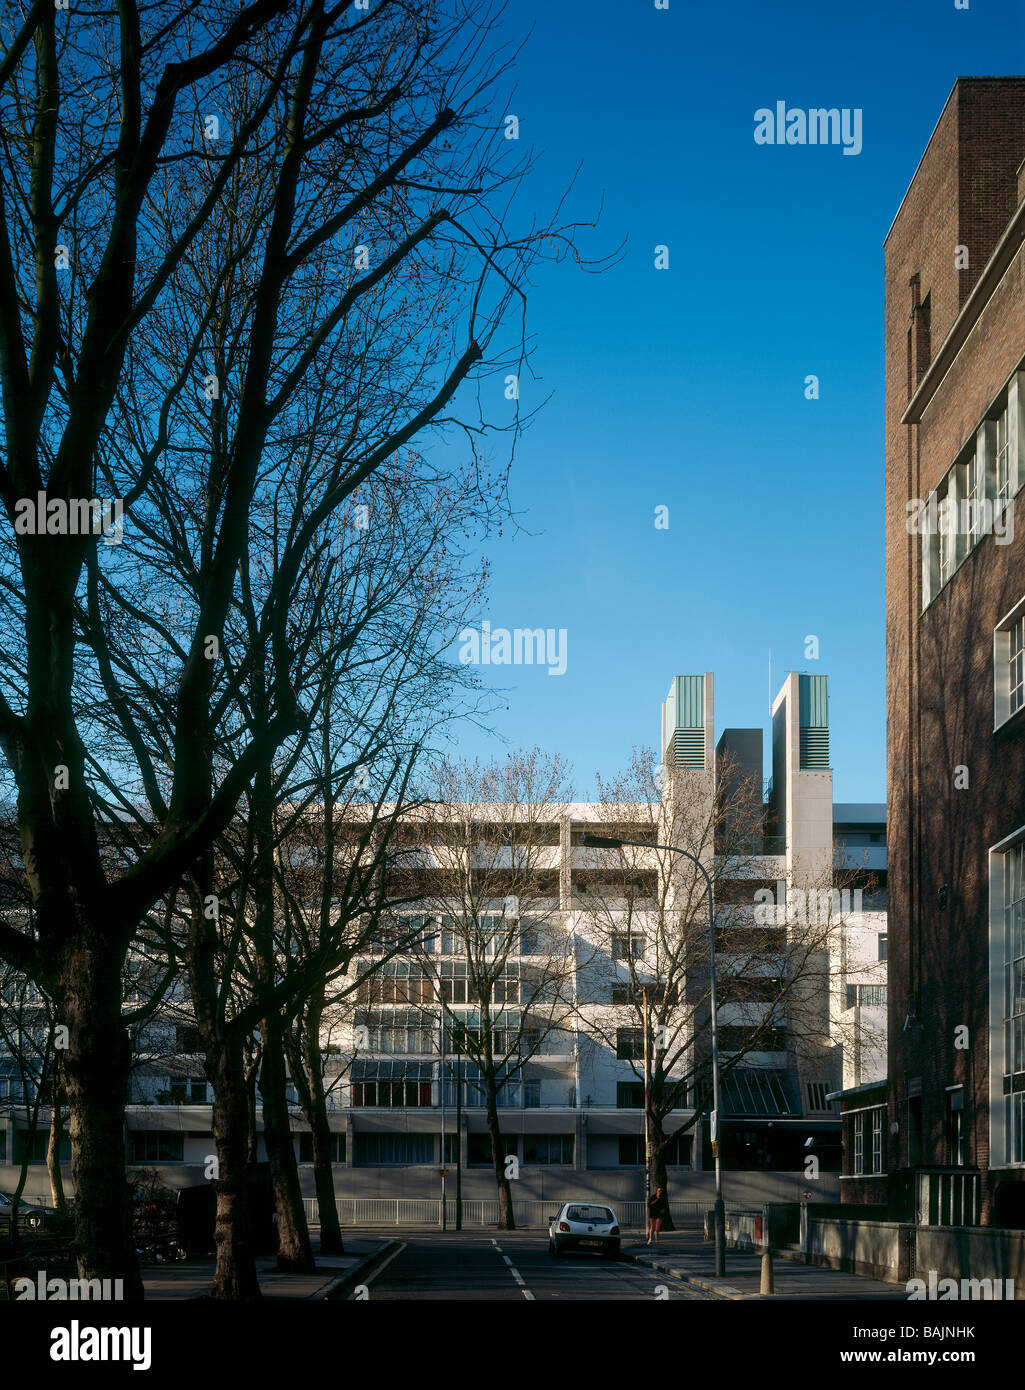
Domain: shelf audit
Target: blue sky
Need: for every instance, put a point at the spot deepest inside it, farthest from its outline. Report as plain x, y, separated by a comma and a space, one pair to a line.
685, 387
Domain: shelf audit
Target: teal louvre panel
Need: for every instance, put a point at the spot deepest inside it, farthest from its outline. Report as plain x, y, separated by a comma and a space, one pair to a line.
687, 748
814, 714
814, 748
685, 721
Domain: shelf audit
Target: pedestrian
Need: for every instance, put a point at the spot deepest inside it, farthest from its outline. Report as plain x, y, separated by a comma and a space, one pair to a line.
658, 1211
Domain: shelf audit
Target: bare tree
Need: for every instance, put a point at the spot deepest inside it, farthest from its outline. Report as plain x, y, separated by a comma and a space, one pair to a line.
496, 969
645, 992
219, 230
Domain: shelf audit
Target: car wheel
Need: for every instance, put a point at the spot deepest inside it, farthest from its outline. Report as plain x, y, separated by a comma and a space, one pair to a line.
557, 1250
551, 1248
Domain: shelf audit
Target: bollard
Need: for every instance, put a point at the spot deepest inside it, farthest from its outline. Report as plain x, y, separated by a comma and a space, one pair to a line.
766, 1287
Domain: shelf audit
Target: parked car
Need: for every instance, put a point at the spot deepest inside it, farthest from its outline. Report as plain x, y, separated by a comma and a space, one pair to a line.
30, 1218
584, 1226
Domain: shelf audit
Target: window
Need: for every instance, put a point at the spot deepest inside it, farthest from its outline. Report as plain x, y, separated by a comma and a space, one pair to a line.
187, 1039
1004, 469
155, 1146
389, 1094
398, 1031
531, 1095
36, 1151
306, 1148
859, 1144
881, 942
752, 1039
625, 947
1009, 665
478, 1149
529, 943
629, 1044
630, 1095
626, 993
877, 1139
455, 987
955, 1127
866, 996
947, 538
973, 495
1014, 1002
548, 1148
386, 1150
1016, 662
397, 982
816, 1092
589, 1213
677, 1151
184, 1091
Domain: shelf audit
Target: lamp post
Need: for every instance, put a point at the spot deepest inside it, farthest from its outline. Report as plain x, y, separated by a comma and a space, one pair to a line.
615, 842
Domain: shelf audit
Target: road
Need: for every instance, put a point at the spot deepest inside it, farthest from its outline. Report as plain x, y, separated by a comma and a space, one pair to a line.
511, 1265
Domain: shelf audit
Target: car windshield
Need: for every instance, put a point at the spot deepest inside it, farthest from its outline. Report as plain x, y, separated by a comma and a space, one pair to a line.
5, 1201
589, 1214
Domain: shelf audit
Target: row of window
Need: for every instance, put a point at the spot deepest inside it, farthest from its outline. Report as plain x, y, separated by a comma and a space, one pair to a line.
385, 1150
971, 499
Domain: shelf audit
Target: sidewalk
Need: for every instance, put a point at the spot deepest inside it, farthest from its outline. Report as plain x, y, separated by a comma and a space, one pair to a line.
192, 1278
686, 1255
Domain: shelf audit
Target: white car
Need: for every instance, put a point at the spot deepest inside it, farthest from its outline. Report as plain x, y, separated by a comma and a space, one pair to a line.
584, 1226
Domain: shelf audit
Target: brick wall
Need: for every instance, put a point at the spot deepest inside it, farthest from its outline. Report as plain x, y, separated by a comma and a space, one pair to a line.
940, 664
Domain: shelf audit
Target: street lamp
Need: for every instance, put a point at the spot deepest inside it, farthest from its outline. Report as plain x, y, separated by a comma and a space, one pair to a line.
616, 842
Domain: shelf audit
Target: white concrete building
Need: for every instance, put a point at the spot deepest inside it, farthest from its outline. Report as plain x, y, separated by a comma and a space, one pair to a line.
573, 1115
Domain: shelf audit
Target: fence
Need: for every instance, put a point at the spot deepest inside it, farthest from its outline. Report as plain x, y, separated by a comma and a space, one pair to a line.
477, 1212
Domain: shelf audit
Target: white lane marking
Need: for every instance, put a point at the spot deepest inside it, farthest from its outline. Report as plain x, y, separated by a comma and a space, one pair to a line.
514, 1272
384, 1265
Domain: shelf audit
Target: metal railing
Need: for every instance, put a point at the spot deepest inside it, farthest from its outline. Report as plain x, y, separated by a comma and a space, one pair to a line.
484, 1212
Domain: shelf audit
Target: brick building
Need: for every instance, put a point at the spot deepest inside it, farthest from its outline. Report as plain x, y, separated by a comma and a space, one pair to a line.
955, 613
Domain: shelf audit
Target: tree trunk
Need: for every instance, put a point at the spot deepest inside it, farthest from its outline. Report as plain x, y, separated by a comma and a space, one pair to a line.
323, 1175
305, 1059
505, 1206
235, 1270
660, 1176
53, 1150
252, 1068
295, 1252
96, 1069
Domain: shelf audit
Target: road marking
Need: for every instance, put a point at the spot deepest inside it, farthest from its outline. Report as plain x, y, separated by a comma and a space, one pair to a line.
382, 1267
515, 1273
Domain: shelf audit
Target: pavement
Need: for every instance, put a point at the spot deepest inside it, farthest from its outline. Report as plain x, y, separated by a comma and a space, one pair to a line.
334, 1276
687, 1256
